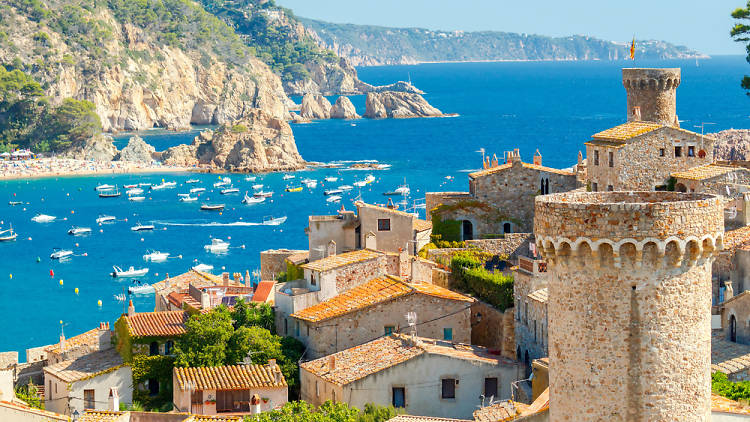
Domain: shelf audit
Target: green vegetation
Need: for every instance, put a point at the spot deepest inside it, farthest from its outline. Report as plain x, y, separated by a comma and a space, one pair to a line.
28, 120
471, 276
30, 394
327, 412
741, 33
239, 128
721, 385
153, 367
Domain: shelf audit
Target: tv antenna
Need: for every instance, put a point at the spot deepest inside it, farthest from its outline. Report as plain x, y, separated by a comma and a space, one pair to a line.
411, 319
703, 127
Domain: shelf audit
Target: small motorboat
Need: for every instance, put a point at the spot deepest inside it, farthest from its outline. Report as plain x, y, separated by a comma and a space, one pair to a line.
270, 221
250, 178
130, 272
134, 191
43, 218
105, 219
229, 190
331, 179
216, 246
252, 199
145, 185
8, 235
360, 183
212, 207
294, 189
346, 187
288, 176
197, 190
140, 289
332, 192
191, 181
14, 203
58, 253
156, 256
78, 231
188, 198
164, 185
203, 268
225, 181
142, 227
333, 198
104, 187
263, 194
311, 184
133, 186
258, 186
109, 194
183, 194
137, 198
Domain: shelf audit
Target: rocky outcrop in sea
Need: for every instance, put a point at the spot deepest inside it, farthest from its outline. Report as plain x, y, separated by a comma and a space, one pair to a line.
259, 142
100, 147
343, 109
398, 105
137, 151
732, 144
315, 107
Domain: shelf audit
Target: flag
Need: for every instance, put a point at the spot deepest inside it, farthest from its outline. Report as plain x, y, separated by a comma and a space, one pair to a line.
632, 49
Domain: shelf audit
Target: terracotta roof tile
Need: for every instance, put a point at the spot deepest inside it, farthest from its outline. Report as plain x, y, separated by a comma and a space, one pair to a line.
627, 131
86, 366
181, 282
298, 258
263, 291
157, 324
422, 225
382, 209
99, 416
414, 418
737, 238
45, 414
373, 292
234, 377
500, 412
89, 338
506, 166
342, 259
206, 418
704, 172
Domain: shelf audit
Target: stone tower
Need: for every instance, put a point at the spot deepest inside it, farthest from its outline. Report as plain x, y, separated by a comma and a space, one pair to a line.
654, 93
629, 303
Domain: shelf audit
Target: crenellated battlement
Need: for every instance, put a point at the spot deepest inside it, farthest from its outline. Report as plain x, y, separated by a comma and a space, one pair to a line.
653, 92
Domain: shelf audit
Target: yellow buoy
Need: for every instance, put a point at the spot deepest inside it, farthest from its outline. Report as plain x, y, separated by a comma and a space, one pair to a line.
11, 276
61, 282
99, 302
76, 290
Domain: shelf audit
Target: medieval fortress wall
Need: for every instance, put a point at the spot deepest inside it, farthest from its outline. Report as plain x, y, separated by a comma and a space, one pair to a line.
654, 91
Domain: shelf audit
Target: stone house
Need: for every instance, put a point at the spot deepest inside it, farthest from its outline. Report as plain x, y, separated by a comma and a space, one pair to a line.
735, 318
85, 382
202, 299
530, 302
273, 262
99, 338
236, 389
140, 416
378, 308
500, 199
422, 376
181, 283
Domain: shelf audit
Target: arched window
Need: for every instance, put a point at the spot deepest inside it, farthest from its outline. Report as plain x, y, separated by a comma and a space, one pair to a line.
507, 228
153, 348
732, 328
467, 230
680, 187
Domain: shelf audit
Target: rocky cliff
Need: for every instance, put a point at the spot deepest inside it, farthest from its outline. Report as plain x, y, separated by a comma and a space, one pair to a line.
343, 109
315, 107
137, 151
398, 105
98, 148
258, 142
732, 144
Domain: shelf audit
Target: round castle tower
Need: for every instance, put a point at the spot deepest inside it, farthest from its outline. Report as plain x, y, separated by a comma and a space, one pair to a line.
654, 91
629, 303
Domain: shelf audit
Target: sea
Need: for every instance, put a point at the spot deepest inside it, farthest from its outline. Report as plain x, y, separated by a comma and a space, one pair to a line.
552, 107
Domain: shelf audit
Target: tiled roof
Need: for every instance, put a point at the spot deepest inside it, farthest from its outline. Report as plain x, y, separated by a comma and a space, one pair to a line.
341, 260
263, 291
506, 166
181, 298
235, 377
8, 359
500, 412
729, 357
704, 172
422, 225
181, 282
414, 418
89, 338
373, 292
736, 238
298, 258
206, 418
157, 324
627, 131
361, 361
540, 295
382, 209
725, 405
99, 416
39, 414
86, 366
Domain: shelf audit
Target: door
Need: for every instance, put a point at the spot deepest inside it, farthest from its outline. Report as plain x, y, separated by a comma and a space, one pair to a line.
196, 402
467, 230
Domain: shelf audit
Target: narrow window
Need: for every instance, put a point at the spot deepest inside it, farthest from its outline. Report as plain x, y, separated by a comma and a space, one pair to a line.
296, 329
317, 389
611, 159
286, 327
691, 151
88, 399
449, 388
535, 337
596, 157
333, 396
490, 387
312, 279
389, 330
153, 348
398, 397
384, 224
610, 188
308, 330
678, 151
168, 346
662, 152
594, 187
448, 334
50, 388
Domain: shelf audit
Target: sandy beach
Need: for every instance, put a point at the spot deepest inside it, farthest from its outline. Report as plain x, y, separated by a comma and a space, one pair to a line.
56, 167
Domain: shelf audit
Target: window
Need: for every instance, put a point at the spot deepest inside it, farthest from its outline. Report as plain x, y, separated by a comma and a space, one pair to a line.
317, 389
535, 337
296, 329
678, 151
389, 329
610, 188
611, 159
448, 334
333, 396
526, 313
594, 187
49, 387
507, 228
596, 157
398, 397
312, 279
449, 389
691, 151
88, 399
384, 224
308, 330
662, 153
168, 346
490, 387
153, 387
153, 348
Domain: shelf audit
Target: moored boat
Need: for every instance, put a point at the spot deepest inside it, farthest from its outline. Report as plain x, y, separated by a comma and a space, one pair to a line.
345, 187
14, 203
263, 194
8, 235
104, 187
331, 179
134, 191
58, 253
252, 199
217, 245
333, 198
43, 218
139, 289
142, 227
229, 190
288, 176
137, 198
332, 192
130, 272
257, 186
191, 181
196, 190
78, 231
109, 194
294, 189
212, 207
156, 256
105, 219
188, 198
271, 221
133, 186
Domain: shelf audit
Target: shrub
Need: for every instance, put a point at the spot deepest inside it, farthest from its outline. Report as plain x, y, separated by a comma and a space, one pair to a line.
721, 385
239, 128
471, 276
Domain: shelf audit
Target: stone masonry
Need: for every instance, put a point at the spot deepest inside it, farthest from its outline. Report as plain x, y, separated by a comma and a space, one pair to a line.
654, 91
629, 303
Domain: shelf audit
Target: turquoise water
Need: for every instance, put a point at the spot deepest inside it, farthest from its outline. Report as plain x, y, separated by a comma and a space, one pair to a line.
553, 107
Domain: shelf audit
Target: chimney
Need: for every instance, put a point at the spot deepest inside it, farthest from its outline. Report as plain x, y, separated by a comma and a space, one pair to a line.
237, 278
495, 161
331, 248
167, 281
636, 117
225, 278
390, 204
537, 158
277, 376
62, 342
331, 362
131, 308
676, 121
114, 400
248, 282
105, 336
403, 263
580, 158
255, 404
272, 363
729, 292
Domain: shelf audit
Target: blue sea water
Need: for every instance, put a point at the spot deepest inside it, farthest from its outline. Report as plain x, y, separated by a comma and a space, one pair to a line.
550, 106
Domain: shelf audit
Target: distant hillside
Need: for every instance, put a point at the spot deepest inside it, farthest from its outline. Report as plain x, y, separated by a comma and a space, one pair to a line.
377, 45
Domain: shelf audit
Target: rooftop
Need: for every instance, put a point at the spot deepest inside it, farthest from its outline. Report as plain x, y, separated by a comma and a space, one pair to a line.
341, 260
183, 297
181, 282
379, 290
86, 366
100, 416
45, 414
704, 172
506, 166
422, 225
738, 238
157, 324
361, 204
627, 131
413, 418
361, 361
540, 295
234, 377
299, 258
729, 357
725, 405
500, 412
263, 291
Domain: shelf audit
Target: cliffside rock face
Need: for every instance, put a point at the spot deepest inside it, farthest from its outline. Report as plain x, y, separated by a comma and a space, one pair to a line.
137, 151
399, 86
344, 109
315, 107
732, 144
328, 78
398, 105
259, 142
98, 148
296, 118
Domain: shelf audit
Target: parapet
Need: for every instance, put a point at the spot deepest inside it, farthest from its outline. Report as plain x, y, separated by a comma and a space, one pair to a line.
653, 79
667, 228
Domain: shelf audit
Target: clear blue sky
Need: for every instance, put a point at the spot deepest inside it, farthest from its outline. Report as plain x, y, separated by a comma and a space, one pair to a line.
700, 24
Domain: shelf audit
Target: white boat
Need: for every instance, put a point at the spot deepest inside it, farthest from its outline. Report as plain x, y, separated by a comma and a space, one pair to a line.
156, 256
183, 194
252, 199
164, 185
311, 184
258, 186
137, 198
221, 184
332, 192
370, 178
109, 194
134, 191
402, 190
333, 198
188, 198
142, 227
130, 272
105, 219
58, 253
191, 181
14, 203
250, 178
270, 221
145, 185
288, 176
197, 190
229, 190
263, 194
216, 246
203, 268
212, 207
100, 188
130, 186
331, 179
77, 231
367, 180
346, 187
360, 183
8, 235
140, 289
43, 218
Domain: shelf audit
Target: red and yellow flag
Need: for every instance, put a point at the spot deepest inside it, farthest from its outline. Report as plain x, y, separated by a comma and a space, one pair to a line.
632, 50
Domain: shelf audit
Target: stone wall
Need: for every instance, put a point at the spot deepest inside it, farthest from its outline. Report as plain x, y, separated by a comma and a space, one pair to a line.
361, 272
629, 312
531, 323
400, 232
433, 199
511, 245
654, 91
494, 329
272, 262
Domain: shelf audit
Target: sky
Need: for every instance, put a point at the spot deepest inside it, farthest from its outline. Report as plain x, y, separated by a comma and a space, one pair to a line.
702, 25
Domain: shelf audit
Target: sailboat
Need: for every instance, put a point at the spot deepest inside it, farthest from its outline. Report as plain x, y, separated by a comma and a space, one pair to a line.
8, 235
